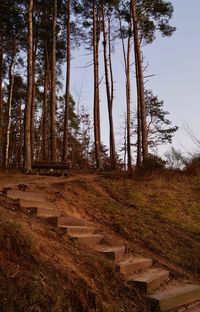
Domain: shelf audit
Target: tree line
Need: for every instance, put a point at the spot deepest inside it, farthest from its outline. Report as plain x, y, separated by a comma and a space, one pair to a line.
38, 121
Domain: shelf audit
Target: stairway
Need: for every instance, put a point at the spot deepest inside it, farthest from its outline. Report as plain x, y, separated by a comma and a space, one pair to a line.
137, 270
34, 203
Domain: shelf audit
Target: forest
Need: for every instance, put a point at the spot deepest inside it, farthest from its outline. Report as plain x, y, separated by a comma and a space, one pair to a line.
39, 121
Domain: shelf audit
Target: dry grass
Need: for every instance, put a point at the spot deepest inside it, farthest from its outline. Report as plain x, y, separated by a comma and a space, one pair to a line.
162, 211
31, 281
13, 242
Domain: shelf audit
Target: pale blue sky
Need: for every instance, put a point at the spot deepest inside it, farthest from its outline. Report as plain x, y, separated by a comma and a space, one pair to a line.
175, 62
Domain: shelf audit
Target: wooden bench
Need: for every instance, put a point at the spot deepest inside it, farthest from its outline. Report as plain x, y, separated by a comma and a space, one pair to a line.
55, 166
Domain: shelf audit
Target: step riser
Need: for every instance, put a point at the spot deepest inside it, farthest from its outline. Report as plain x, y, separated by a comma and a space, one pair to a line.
60, 231
88, 240
71, 221
130, 268
65, 221
114, 255
46, 213
186, 299
74, 232
80, 231
149, 287
119, 255
165, 304
52, 221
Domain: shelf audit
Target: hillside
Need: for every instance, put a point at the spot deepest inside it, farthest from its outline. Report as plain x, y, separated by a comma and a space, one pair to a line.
44, 270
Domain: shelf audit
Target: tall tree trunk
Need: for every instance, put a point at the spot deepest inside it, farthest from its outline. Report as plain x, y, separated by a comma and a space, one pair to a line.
33, 121
19, 131
1, 105
139, 130
48, 110
45, 126
112, 135
125, 142
33, 108
53, 85
127, 139
138, 61
98, 92
10, 97
67, 94
109, 86
47, 61
97, 135
139, 134
128, 93
139, 119
27, 133
128, 104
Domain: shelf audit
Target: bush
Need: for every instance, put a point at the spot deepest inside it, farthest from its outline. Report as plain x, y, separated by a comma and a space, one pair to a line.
193, 165
152, 163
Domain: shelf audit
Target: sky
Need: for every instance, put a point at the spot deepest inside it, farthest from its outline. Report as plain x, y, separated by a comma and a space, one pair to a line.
175, 65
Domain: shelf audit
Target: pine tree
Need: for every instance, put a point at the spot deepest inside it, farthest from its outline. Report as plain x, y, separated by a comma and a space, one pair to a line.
53, 85
95, 45
159, 129
106, 27
149, 17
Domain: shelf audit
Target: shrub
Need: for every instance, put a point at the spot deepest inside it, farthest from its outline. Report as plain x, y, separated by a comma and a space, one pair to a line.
193, 165
152, 163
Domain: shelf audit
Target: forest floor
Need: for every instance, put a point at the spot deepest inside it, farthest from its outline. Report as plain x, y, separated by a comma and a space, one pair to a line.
156, 216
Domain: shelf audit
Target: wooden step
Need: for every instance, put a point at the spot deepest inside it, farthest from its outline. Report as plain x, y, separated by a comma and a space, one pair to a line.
26, 195
66, 221
133, 264
113, 253
174, 297
72, 221
150, 280
77, 230
87, 239
44, 212
24, 203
